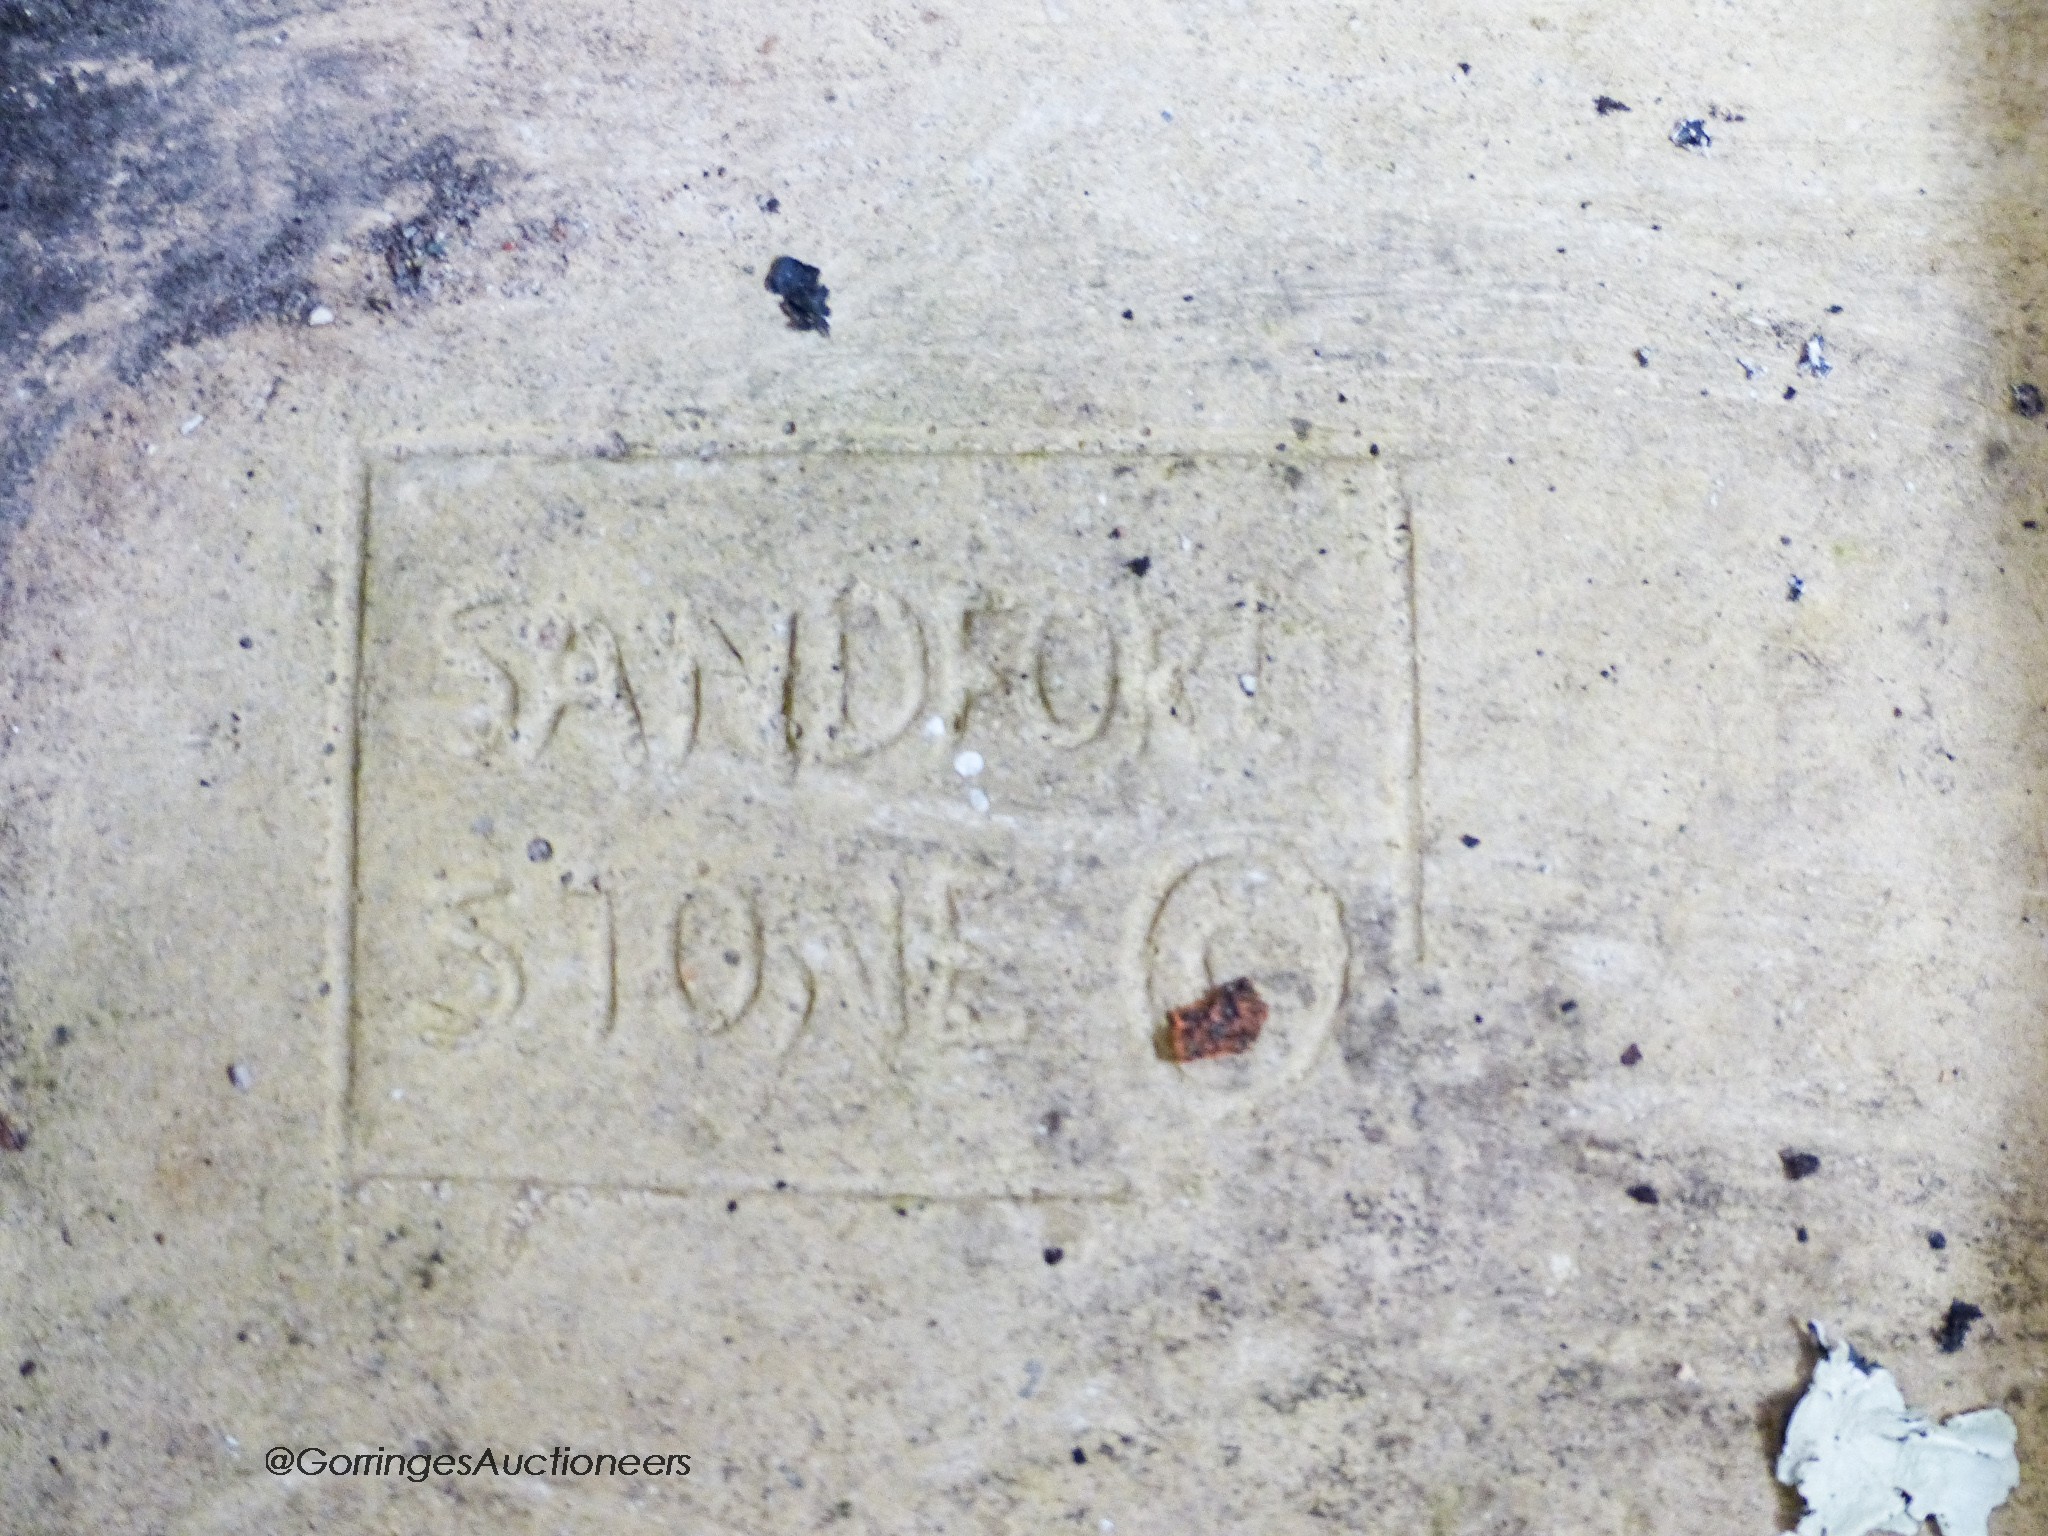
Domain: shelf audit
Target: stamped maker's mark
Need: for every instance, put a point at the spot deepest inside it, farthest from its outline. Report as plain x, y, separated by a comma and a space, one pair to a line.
838, 819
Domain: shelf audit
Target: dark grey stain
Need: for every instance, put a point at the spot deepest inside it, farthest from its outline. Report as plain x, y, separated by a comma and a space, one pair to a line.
189, 155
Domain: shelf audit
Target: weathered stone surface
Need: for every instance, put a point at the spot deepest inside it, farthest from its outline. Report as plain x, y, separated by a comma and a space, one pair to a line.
586, 868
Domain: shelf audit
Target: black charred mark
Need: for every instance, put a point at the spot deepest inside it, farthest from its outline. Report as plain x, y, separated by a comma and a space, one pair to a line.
1606, 104
62, 127
1937, 1241
1468, 840
195, 186
456, 194
1643, 1194
1955, 1326
1798, 1165
803, 296
1054, 1255
1139, 566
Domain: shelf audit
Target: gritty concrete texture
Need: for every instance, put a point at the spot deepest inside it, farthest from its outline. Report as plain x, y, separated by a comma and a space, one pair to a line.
586, 867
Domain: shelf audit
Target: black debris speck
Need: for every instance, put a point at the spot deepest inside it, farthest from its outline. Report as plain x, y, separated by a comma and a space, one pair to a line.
1464, 68
1802, 1234
1794, 588
1469, 840
1054, 1255
1606, 104
540, 850
1642, 357
1569, 1005
2026, 400
1937, 1241
731, 1206
1955, 1326
1691, 133
1632, 1055
1643, 1194
246, 643
1798, 1165
773, 205
1080, 1457
803, 296
1139, 566
28, 1367
1127, 314
1790, 392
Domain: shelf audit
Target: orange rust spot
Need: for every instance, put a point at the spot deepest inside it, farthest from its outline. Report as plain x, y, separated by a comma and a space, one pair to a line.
1224, 1021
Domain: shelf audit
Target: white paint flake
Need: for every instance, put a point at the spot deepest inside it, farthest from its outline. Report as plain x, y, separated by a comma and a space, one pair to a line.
1864, 1463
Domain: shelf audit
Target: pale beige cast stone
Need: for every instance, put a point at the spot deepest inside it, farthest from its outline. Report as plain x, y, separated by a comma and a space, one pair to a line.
1638, 703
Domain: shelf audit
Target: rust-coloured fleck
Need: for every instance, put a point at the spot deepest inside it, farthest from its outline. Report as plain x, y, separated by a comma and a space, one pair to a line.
1225, 1021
